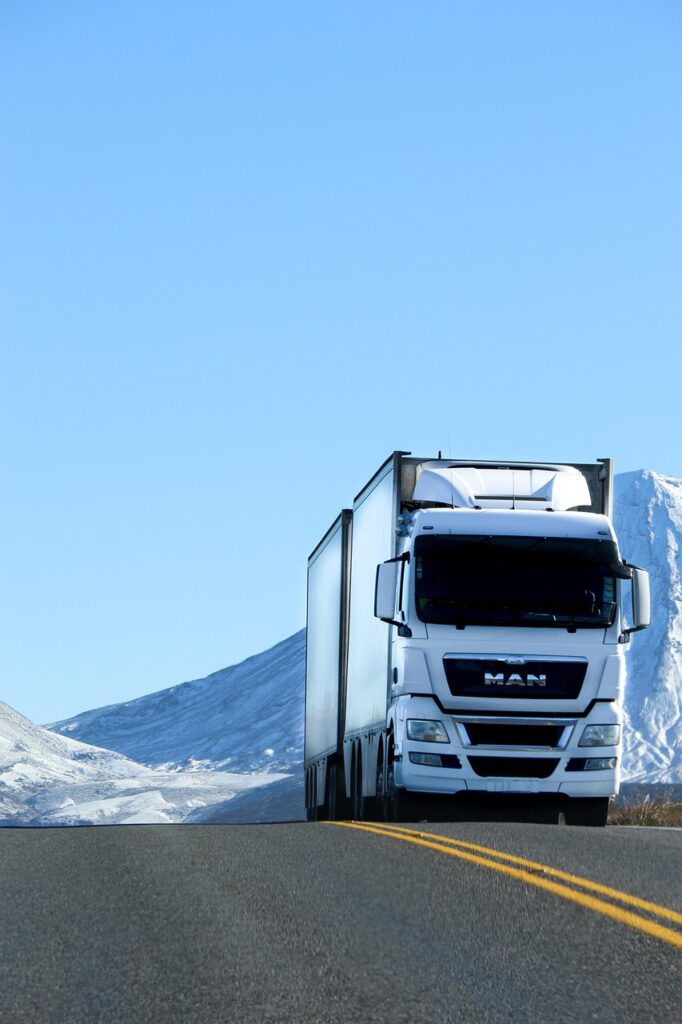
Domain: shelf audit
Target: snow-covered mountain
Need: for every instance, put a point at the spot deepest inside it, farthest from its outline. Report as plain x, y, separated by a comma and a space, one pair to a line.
648, 521
48, 779
250, 716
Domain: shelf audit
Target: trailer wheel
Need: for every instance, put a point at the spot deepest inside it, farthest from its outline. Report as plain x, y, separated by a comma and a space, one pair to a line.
311, 809
329, 808
591, 811
379, 802
343, 809
358, 796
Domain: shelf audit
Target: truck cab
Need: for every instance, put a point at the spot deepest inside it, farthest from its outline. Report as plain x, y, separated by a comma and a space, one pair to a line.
508, 607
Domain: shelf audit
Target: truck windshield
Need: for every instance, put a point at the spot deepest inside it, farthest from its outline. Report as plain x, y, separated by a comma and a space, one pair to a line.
516, 581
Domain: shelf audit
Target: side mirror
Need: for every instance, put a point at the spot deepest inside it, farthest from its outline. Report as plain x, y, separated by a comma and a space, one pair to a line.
385, 590
641, 602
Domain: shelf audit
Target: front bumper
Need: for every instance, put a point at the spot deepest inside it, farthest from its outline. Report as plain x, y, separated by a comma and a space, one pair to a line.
523, 768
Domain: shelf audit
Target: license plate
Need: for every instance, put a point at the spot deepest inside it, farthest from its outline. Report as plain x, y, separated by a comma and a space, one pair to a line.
513, 786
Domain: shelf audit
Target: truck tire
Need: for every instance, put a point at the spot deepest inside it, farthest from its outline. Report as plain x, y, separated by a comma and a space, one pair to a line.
344, 804
591, 811
329, 807
377, 809
311, 806
398, 803
357, 795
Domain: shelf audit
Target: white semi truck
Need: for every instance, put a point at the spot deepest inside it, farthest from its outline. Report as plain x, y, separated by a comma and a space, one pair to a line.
466, 630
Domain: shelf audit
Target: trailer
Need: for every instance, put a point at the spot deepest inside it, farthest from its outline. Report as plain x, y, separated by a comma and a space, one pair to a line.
466, 628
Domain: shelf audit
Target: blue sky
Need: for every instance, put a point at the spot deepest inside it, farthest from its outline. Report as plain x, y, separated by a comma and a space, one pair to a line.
248, 249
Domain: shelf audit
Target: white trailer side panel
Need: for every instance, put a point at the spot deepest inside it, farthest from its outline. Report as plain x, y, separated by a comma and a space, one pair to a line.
374, 515
323, 647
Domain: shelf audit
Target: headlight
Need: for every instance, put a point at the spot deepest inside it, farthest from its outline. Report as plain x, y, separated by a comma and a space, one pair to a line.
597, 764
600, 736
426, 731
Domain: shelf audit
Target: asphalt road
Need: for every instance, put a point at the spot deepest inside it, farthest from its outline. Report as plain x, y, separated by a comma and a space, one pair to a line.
324, 923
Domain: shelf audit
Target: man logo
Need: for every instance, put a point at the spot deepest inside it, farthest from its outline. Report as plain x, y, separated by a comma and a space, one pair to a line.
499, 679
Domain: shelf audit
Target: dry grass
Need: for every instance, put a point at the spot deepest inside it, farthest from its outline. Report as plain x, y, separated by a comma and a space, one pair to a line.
659, 810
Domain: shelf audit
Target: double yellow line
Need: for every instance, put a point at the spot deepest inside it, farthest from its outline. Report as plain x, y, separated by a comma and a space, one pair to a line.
541, 876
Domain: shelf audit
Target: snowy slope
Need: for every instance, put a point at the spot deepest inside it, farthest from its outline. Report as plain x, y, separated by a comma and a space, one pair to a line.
648, 521
250, 717
50, 779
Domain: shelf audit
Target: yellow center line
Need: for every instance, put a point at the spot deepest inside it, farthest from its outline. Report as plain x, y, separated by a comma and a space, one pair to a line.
584, 883
626, 917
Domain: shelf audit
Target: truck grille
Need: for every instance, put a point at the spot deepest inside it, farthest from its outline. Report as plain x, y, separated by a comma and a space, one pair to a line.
514, 767
522, 678
491, 734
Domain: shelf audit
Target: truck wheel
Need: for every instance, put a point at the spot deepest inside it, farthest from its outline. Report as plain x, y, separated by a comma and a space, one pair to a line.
399, 804
390, 808
592, 811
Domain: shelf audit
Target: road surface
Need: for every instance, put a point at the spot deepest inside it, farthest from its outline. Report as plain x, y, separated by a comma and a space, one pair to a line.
329, 923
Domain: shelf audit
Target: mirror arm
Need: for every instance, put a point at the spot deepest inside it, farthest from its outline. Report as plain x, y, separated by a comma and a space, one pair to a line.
403, 630
624, 637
